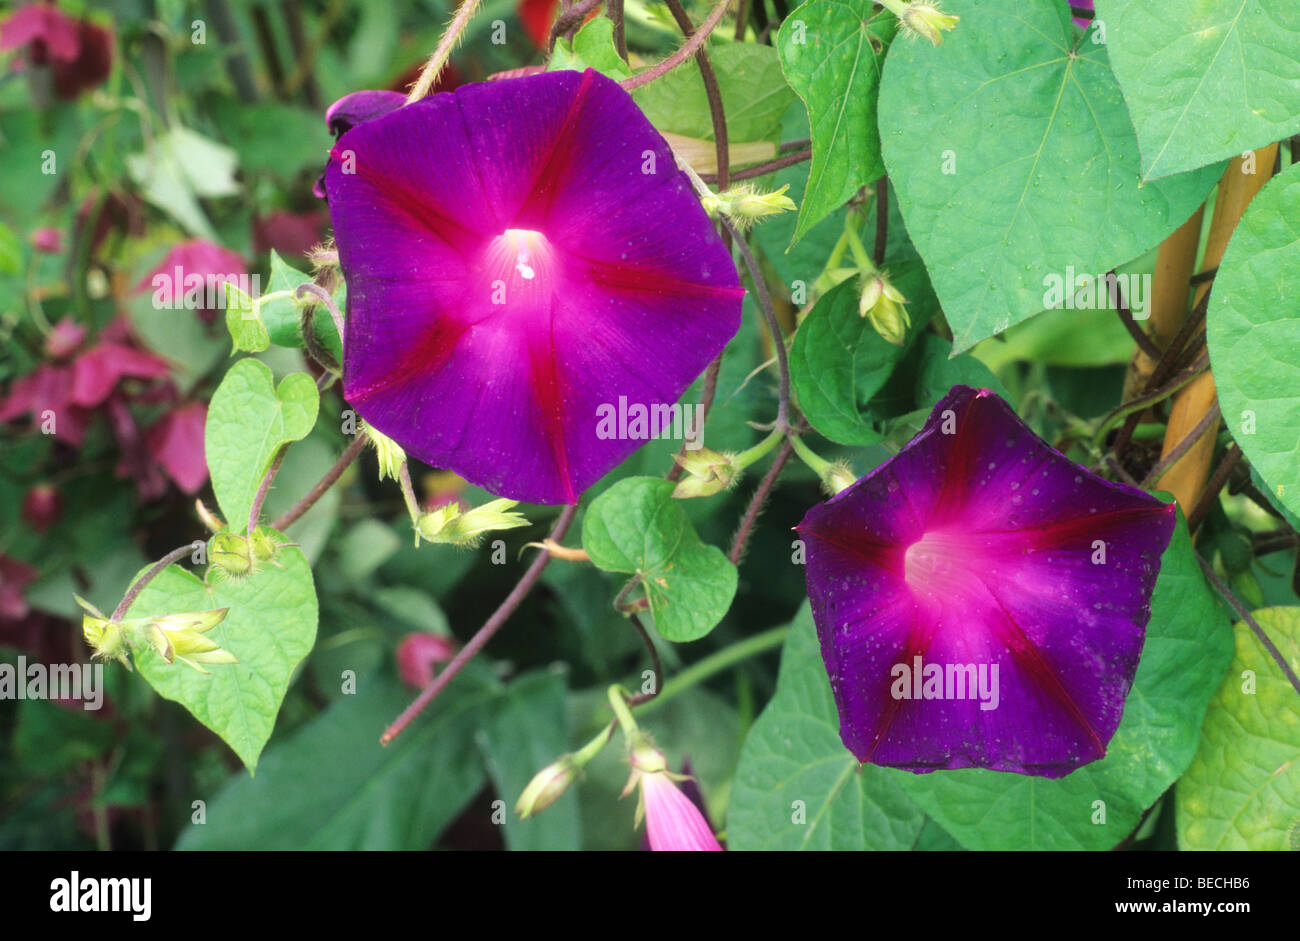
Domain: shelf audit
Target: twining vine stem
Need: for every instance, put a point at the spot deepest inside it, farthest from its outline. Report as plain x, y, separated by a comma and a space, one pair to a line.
333, 474
1231, 598
484, 633
687, 49
769, 315
138, 585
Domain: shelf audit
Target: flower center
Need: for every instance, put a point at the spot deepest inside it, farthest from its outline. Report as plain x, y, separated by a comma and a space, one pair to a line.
520, 267
939, 564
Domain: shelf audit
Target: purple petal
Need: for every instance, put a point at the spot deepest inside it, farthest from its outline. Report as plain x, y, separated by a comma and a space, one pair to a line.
496, 300
359, 107
980, 547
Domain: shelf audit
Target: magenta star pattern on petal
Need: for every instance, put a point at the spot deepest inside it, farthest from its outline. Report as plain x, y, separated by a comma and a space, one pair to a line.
519, 254
981, 600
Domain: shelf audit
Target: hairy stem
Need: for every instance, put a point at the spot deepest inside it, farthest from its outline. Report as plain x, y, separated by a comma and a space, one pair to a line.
757, 501
154, 570
1231, 598
484, 633
433, 68
687, 49
769, 315
318, 491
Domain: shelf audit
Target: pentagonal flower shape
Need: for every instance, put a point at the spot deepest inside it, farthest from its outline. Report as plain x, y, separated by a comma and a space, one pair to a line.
522, 256
981, 600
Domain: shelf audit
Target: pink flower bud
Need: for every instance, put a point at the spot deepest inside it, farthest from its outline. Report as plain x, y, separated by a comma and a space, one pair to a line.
48, 240
42, 507
672, 821
417, 655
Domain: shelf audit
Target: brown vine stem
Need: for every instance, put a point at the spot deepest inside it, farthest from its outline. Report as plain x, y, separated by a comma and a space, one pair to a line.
762, 169
1167, 308
484, 633
769, 314
711, 91
1220, 477
433, 68
655, 663
1187, 476
316, 492
686, 50
756, 502
255, 509
154, 570
614, 10
708, 393
1230, 597
571, 17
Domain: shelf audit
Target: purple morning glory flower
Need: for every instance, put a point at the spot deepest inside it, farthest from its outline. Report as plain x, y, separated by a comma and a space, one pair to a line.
980, 599
519, 255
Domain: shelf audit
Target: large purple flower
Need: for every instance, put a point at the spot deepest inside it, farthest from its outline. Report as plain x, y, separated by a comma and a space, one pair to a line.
519, 254
981, 600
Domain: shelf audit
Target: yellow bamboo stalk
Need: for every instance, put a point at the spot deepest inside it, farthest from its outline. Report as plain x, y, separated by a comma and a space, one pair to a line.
1170, 284
1187, 476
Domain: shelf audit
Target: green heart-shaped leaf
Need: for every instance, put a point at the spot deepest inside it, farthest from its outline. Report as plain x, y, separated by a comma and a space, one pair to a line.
1254, 335
797, 786
637, 527
249, 420
1204, 79
270, 628
1242, 791
1014, 159
831, 53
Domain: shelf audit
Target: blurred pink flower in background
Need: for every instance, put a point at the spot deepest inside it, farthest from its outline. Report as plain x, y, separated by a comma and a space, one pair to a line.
419, 653
192, 263
79, 53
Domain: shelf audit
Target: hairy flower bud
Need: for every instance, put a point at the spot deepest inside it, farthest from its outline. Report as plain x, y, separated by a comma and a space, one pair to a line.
882, 303
180, 637
926, 20
107, 637
707, 473
448, 524
744, 204
390, 453
547, 786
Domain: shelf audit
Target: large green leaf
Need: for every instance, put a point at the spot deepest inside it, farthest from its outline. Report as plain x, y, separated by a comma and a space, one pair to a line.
1254, 336
1188, 645
1205, 79
1014, 159
838, 361
832, 52
525, 732
248, 422
592, 47
332, 786
1242, 791
270, 628
754, 96
797, 786
638, 528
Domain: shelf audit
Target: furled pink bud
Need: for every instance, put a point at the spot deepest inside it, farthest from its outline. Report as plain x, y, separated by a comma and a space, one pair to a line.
672, 821
48, 240
42, 507
417, 655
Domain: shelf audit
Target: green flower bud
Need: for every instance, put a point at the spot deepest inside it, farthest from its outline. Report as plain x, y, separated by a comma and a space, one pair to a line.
390, 453
180, 637
447, 524
882, 303
547, 786
707, 473
926, 20
106, 637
